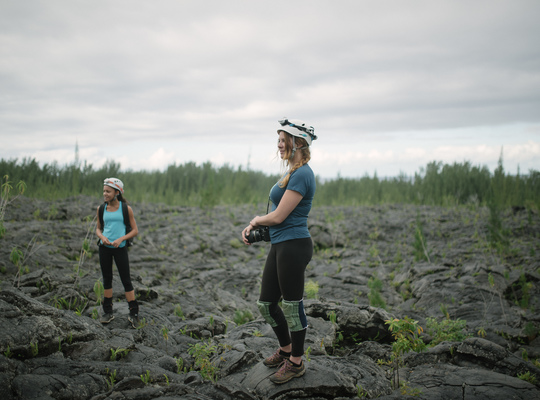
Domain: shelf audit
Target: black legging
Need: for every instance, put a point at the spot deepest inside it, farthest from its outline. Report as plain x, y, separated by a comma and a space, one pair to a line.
283, 276
120, 256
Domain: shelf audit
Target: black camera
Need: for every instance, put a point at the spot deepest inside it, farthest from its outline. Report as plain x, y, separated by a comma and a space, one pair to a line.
256, 235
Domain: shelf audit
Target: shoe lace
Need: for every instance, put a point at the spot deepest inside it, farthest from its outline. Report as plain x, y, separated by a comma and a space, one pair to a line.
285, 367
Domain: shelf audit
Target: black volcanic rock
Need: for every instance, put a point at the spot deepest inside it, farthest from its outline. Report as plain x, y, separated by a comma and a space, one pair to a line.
202, 337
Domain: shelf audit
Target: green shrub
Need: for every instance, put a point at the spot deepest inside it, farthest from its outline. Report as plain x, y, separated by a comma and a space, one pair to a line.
312, 289
446, 330
242, 317
375, 298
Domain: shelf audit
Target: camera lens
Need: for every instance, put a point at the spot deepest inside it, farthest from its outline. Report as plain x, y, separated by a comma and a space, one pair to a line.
254, 236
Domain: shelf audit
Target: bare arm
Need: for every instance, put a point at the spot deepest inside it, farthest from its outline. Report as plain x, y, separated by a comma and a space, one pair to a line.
287, 204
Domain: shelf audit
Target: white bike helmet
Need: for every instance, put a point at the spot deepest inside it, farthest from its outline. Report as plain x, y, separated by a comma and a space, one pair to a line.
298, 128
115, 183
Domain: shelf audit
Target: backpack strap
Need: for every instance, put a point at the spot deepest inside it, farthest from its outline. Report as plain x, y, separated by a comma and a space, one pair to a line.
101, 211
125, 213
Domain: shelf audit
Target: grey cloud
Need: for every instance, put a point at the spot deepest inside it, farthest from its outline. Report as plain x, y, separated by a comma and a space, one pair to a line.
170, 68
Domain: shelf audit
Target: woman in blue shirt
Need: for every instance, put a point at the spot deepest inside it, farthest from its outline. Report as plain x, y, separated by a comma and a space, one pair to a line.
291, 250
112, 246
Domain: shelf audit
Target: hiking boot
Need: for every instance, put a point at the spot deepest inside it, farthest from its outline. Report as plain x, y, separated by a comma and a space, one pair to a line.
134, 320
134, 313
288, 371
276, 359
106, 317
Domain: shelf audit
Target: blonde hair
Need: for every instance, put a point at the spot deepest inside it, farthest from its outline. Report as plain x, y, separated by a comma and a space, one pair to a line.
306, 156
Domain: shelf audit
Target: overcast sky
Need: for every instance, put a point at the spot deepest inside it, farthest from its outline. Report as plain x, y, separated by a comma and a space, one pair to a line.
388, 85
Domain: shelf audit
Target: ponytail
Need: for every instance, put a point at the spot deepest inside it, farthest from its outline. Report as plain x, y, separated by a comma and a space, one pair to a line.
306, 156
121, 198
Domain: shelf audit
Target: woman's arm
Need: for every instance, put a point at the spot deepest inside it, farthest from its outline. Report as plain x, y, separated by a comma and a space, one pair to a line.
288, 203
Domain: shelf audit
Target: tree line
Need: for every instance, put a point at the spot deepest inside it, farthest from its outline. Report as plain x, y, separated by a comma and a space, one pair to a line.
207, 185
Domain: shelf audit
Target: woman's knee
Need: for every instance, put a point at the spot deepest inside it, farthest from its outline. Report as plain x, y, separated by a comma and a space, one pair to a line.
294, 314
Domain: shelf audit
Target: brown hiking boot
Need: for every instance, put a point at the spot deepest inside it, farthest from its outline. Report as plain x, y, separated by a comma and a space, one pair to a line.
288, 371
275, 359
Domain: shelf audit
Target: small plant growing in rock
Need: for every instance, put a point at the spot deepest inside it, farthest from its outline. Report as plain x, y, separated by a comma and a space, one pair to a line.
406, 390
446, 330
146, 378
34, 349
528, 377
444, 310
5, 191
99, 291
142, 323
165, 334
242, 317
482, 332
312, 289
16, 258
531, 331
180, 365
178, 312
80, 308
420, 248
8, 352
202, 352
211, 322
118, 353
332, 317
406, 333
360, 392
307, 353
522, 292
374, 295
111, 378
85, 249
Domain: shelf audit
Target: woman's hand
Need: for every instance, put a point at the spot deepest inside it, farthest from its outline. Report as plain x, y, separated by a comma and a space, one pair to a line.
117, 243
106, 241
252, 225
245, 234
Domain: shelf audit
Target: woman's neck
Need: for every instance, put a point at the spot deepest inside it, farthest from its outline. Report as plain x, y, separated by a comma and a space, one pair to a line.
114, 202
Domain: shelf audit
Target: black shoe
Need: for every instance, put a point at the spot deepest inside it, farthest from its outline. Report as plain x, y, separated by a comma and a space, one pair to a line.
134, 313
134, 319
106, 318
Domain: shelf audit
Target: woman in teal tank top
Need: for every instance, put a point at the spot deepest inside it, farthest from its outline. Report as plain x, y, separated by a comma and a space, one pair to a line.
112, 246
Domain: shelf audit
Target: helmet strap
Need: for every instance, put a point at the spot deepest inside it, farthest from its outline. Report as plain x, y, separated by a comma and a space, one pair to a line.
295, 148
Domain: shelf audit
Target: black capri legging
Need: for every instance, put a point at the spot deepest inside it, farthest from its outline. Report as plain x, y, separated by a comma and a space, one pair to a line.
121, 259
284, 270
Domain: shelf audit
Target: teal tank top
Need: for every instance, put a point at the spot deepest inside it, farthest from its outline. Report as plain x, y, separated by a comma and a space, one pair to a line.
114, 225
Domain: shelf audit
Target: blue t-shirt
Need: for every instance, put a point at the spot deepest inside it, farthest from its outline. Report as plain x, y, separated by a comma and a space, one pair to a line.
295, 225
114, 225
